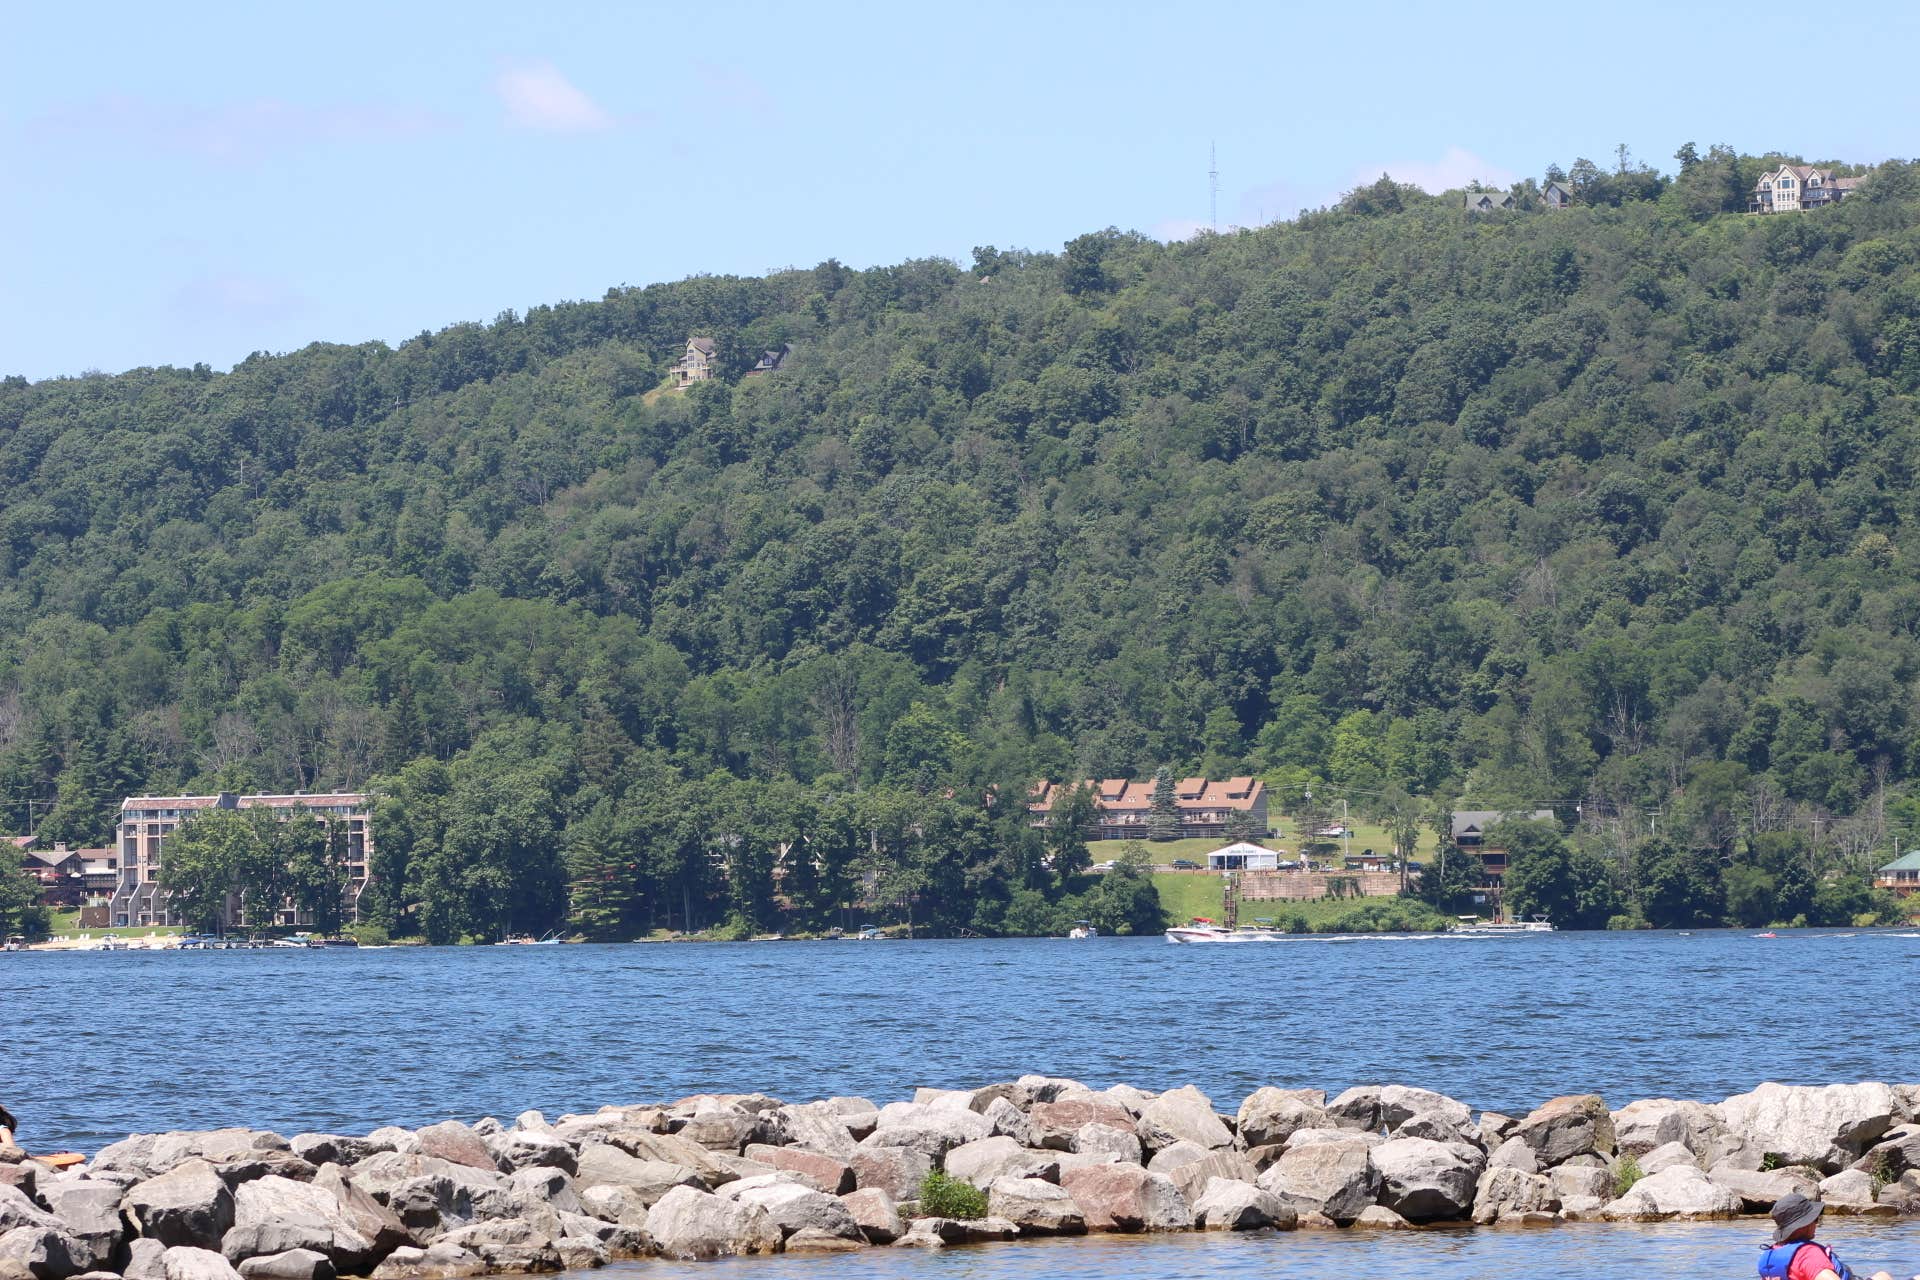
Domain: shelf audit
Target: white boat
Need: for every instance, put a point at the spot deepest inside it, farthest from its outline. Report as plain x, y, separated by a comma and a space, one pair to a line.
1083, 929
1501, 928
1204, 930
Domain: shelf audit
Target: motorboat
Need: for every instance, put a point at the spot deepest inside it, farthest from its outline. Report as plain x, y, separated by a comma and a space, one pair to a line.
1083, 929
1503, 928
1202, 929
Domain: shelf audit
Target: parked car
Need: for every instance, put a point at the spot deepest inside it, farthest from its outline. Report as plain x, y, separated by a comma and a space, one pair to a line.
1184, 864
1108, 865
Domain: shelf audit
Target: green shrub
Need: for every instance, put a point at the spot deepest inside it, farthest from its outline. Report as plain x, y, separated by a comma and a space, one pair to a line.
944, 1197
1625, 1173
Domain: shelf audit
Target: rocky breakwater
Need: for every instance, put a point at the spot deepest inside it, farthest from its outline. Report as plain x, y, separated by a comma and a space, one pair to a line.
722, 1175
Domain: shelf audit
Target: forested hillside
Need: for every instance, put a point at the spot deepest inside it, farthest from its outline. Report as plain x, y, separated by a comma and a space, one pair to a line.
1609, 510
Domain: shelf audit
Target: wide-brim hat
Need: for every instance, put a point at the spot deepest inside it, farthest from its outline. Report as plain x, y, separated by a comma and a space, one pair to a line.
1793, 1212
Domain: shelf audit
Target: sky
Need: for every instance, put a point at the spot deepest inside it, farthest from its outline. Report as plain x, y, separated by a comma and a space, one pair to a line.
198, 182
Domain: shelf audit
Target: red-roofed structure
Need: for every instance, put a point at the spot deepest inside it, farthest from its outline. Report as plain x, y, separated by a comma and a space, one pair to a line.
1122, 806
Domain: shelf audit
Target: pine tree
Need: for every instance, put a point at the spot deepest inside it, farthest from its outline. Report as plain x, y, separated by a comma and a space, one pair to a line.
1163, 817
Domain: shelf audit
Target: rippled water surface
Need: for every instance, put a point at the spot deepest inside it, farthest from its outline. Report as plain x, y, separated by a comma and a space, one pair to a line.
1717, 1251
98, 1045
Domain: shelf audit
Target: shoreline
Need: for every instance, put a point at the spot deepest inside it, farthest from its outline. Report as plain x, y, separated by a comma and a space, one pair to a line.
715, 1175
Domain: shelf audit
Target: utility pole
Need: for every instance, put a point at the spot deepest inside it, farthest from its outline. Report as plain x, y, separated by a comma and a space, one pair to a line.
1213, 188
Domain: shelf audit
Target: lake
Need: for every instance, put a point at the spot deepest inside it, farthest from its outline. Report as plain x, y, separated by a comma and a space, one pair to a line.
1708, 1251
102, 1044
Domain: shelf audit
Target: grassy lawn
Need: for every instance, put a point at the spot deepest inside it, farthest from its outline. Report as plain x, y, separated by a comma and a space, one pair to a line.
67, 923
1365, 836
1186, 894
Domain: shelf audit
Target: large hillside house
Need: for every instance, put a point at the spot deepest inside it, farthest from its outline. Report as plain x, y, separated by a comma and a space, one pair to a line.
1470, 827
699, 364
1793, 187
147, 821
1122, 807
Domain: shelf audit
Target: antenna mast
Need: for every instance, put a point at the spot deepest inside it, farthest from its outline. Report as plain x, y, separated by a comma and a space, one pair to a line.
1213, 188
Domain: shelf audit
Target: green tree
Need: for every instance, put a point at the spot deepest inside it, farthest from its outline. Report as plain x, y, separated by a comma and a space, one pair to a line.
204, 862
1547, 876
1679, 888
1163, 811
20, 911
1068, 824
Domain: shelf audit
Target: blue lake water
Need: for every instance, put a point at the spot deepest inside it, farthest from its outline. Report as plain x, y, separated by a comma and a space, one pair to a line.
106, 1043
1716, 1251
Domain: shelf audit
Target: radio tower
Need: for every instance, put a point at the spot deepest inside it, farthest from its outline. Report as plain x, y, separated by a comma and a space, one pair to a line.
1213, 188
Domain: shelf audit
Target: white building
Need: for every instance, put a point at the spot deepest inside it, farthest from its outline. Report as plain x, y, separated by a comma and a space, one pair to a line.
1243, 857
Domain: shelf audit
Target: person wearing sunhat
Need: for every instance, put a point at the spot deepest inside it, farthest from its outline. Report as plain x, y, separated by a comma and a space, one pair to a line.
1794, 1255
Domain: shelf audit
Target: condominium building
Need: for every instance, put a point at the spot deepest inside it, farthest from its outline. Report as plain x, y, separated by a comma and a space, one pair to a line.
147, 821
1123, 807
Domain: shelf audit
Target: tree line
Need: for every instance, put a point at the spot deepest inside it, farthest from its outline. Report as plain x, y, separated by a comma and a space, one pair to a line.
1606, 510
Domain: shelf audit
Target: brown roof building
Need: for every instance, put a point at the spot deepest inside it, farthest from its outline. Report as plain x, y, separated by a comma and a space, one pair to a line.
1122, 806
1793, 187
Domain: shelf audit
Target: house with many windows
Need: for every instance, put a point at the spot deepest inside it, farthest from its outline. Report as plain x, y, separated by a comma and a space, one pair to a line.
699, 363
1469, 831
1901, 876
1793, 187
146, 822
1122, 807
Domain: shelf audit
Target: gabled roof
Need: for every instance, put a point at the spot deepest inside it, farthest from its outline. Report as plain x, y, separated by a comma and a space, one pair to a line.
1905, 862
1478, 820
703, 345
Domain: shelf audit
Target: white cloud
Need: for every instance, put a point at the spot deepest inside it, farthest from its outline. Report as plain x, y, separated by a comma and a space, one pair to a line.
537, 96
1456, 167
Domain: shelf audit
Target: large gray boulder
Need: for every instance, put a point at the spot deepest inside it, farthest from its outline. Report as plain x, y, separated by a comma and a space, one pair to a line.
601, 1165
44, 1253
531, 1149
1182, 1115
1562, 1128
146, 1260
1193, 1176
295, 1264
1423, 1180
1759, 1189
987, 1160
1641, 1126
1103, 1139
188, 1206
619, 1206
273, 1215
1682, 1192
1334, 1178
184, 1262
794, 1207
1229, 1205
1009, 1121
928, 1130
435, 1262
1270, 1115
510, 1245
693, 1225
1827, 1127
1666, 1156
1125, 1197
366, 1215
1357, 1108
18, 1210
818, 1127
89, 1212
1037, 1208
1504, 1191
1578, 1181
1399, 1104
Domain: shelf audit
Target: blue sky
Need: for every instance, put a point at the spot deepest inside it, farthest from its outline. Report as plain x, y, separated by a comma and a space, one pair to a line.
187, 183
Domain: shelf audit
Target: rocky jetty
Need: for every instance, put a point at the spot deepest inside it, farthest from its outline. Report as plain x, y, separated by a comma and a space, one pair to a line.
723, 1175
